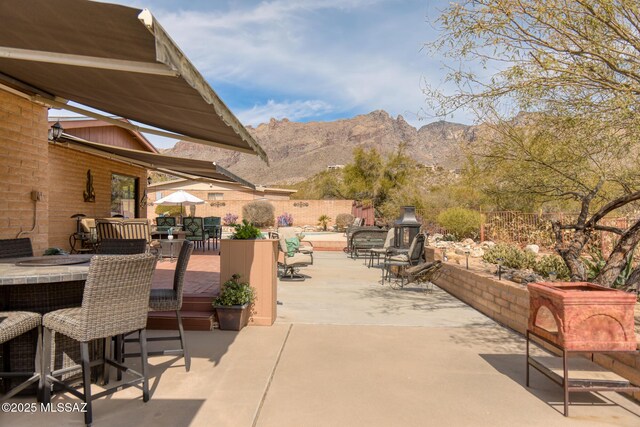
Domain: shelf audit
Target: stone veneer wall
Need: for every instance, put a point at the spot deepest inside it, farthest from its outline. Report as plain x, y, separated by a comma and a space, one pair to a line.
23, 169
508, 303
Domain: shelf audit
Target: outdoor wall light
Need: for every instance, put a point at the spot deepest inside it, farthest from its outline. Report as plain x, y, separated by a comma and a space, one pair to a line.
149, 180
56, 131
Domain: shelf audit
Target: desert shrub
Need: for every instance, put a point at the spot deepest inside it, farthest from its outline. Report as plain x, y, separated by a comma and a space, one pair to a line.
260, 213
229, 219
512, 256
552, 263
285, 220
461, 222
344, 220
168, 210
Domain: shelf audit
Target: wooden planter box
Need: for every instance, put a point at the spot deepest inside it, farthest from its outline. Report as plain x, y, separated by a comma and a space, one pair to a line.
233, 317
256, 262
581, 316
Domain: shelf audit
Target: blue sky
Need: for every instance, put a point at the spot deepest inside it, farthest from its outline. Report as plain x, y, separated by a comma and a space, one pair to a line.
316, 60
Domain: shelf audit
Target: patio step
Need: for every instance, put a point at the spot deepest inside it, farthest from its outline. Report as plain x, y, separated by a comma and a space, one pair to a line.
197, 314
191, 320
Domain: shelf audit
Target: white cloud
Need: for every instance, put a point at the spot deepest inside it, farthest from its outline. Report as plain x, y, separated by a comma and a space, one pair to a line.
295, 110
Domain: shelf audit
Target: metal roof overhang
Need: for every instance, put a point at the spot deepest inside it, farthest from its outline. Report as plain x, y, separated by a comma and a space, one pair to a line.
115, 59
178, 166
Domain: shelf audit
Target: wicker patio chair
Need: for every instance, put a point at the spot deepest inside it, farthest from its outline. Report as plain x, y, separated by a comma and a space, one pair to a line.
115, 302
12, 325
168, 300
194, 227
122, 246
15, 248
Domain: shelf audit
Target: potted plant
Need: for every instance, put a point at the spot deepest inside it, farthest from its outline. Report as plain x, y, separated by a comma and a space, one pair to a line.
246, 231
233, 305
249, 254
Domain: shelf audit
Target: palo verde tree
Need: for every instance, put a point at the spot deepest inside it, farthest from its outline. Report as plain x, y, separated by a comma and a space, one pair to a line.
576, 65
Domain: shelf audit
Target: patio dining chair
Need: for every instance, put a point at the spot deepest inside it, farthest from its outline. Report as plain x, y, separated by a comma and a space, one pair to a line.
385, 250
15, 248
402, 261
115, 302
194, 227
213, 227
164, 223
12, 325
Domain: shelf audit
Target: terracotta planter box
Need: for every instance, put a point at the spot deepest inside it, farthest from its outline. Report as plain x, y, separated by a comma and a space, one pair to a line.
256, 262
233, 317
582, 316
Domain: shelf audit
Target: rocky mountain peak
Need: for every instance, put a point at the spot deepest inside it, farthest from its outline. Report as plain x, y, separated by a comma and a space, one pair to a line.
297, 151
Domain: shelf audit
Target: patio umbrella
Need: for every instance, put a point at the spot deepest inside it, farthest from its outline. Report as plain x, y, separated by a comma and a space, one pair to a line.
181, 198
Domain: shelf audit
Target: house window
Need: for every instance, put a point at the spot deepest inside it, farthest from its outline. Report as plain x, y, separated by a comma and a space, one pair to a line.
124, 192
215, 196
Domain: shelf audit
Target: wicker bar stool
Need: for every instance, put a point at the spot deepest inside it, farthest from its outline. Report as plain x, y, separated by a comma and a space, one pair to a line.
122, 246
170, 300
115, 302
12, 325
15, 248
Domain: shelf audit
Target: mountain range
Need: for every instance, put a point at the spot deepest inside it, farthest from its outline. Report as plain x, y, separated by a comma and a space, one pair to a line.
297, 150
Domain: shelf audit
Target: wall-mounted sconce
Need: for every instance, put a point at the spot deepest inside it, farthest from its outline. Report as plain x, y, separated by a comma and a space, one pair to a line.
301, 204
217, 204
56, 131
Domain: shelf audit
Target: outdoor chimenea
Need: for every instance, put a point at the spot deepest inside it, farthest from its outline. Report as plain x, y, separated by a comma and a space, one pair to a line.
406, 226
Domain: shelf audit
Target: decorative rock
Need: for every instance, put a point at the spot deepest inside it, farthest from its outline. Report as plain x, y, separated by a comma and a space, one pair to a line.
488, 244
532, 248
468, 242
460, 251
477, 253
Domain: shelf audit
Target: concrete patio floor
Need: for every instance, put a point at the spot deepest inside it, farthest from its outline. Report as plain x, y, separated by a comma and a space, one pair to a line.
346, 351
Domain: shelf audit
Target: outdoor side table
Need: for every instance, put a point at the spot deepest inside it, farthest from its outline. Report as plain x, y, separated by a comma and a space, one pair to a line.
170, 247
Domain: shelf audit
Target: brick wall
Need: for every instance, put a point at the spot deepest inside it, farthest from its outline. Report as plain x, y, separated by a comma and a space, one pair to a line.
508, 303
23, 168
307, 214
67, 182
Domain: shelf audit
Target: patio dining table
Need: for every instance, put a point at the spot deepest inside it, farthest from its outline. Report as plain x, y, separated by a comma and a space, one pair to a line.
42, 284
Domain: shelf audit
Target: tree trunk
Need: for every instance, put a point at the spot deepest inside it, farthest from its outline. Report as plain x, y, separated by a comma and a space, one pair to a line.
571, 254
618, 258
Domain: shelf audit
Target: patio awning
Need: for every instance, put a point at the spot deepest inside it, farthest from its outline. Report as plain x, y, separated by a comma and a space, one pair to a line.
178, 166
115, 59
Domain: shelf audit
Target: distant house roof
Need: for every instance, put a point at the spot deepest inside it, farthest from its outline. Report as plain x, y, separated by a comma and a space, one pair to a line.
115, 59
70, 123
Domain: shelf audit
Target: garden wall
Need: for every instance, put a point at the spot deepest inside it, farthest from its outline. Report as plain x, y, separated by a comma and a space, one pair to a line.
508, 303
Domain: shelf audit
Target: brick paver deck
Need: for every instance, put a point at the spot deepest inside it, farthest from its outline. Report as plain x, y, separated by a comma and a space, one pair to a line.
201, 279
